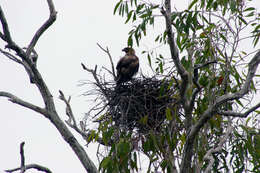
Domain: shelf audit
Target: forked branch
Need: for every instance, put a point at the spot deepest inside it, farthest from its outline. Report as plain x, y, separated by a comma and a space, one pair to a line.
43, 28
110, 58
25, 167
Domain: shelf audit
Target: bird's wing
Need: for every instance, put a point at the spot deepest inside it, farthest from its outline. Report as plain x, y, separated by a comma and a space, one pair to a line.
126, 61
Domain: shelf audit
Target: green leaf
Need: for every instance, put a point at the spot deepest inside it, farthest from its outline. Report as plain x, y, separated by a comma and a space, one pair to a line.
149, 60
130, 41
105, 162
144, 120
223, 37
242, 20
249, 9
240, 103
168, 114
256, 39
161, 67
192, 4
117, 5
157, 38
137, 36
126, 7
129, 15
250, 14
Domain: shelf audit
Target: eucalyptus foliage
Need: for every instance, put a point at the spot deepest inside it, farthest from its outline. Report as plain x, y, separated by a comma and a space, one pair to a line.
210, 36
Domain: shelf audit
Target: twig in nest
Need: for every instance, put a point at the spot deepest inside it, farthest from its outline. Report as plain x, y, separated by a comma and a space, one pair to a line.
140, 104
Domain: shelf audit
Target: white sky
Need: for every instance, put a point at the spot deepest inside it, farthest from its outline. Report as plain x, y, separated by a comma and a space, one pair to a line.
71, 40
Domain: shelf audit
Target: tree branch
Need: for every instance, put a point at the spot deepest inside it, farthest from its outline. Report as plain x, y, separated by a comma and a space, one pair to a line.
6, 36
43, 28
22, 157
24, 167
241, 115
31, 166
73, 124
174, 51
11, 57
50, 110
94, 74
23, 103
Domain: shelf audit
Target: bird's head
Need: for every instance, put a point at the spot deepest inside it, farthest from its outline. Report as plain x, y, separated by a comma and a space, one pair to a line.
129, 50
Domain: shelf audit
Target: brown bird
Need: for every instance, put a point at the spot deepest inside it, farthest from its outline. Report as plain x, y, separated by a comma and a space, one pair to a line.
127, 66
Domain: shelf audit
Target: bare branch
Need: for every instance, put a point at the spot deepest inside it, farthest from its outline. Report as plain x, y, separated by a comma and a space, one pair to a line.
94, 74
110, 58
11, 57
22, 157
31, 166
23, 103
43, 28
241, 115
50, 109
6, 36
24, 167
199, 66
68, 107
73, 124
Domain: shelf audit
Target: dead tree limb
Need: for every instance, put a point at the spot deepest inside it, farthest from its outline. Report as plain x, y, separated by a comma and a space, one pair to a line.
24, 167
49, 111
85, 134
31, 166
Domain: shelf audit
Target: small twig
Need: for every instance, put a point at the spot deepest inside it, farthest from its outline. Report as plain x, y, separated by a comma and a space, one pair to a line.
72, 121
94, 74
108, 71
22, 157
198, 66
110, 58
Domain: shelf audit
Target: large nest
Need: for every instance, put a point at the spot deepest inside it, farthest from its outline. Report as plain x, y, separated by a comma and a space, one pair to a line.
142, 104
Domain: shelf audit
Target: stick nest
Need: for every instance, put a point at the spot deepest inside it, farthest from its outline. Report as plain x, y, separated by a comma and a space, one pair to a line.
141, 104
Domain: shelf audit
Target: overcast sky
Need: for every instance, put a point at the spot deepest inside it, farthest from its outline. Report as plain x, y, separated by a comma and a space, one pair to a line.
68, 42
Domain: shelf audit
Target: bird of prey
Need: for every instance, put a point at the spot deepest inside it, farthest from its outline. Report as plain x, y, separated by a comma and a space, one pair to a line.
127, 66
